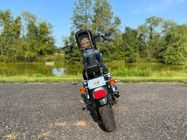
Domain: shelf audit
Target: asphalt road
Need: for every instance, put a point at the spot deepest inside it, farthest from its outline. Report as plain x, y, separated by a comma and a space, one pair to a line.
146, 111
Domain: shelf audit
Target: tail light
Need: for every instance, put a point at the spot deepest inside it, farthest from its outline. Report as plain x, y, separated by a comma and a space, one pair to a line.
99, 93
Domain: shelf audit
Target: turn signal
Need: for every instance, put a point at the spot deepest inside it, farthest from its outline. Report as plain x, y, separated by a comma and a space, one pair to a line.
112, 81
83, 90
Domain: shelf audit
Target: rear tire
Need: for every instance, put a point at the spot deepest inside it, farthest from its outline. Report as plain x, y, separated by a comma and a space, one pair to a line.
106, 118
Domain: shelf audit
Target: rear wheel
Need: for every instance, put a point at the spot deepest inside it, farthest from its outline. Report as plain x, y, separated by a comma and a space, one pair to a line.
106, 118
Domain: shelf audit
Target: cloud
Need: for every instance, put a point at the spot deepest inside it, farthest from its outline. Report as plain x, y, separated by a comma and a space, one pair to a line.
161, 6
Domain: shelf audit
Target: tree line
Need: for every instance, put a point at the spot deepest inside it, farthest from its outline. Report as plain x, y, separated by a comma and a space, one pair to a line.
24, 37
28, 39
156, 40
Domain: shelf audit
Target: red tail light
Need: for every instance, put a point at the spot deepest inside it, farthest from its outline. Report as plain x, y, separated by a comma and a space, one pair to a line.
99, 93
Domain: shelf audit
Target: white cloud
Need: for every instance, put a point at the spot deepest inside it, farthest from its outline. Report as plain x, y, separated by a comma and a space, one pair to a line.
161, 6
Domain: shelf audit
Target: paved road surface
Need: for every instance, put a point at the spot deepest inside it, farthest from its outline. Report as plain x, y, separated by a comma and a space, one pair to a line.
145, 111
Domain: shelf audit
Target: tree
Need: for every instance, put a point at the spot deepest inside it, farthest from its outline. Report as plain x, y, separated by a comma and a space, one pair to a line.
10, 34
151, 32
183, 29
173, 49
81, 19
38, 38
6, 22
16, 39
31, 37
116, 47
72, 54
131, 45
103, 19
46, 40
23, 38
82, 14
103, 22
97, 16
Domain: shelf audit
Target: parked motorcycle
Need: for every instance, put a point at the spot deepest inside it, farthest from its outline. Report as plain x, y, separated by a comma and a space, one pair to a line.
99, 91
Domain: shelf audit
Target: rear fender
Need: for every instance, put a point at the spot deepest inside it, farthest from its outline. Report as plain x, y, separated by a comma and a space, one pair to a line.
103, 101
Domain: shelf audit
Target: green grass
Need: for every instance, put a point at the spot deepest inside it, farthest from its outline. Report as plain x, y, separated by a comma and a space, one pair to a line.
152, 79
70, 78
119, 68
38, 79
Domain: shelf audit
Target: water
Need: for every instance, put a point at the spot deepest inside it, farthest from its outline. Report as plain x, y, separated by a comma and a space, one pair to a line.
58, 71
40, 69
25, 69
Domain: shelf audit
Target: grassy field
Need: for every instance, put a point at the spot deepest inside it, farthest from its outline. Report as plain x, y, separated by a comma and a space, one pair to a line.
141, 72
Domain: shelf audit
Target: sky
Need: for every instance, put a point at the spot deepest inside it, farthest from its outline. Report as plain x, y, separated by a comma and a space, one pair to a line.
131, 12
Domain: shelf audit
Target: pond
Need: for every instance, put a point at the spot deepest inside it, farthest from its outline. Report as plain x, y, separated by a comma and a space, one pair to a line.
37, 69
40, 69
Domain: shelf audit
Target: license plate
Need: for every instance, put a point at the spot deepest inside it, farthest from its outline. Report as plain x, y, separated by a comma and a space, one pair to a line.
97, 82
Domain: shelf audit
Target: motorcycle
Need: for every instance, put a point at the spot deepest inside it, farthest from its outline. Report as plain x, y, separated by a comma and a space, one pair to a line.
98, 91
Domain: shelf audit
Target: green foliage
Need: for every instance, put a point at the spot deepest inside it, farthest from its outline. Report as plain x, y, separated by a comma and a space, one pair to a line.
120, 68
163, 41
23, 38
97, 16
72, 54
103, 18
82, 13
38, 39
173, 49
183, 29
156, 40
131, 44
10, 33
115, 48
